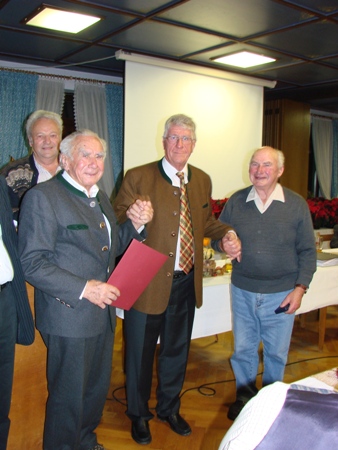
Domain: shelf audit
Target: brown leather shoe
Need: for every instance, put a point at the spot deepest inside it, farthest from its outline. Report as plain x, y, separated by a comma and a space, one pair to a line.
177, 424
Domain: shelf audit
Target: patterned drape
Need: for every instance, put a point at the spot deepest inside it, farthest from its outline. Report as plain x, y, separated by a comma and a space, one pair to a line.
50, 94
17, 101
91, 113
114, 96
322, 138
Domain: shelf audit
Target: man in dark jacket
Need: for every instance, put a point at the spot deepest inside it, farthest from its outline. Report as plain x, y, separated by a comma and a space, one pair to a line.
16, 321
44, 133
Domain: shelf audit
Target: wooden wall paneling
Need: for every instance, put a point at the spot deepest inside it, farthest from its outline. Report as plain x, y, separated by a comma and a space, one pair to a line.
295, 143
287, 127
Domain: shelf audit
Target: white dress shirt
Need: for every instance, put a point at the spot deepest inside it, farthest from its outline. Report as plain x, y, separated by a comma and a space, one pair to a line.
277, 194
6, 268
44, 174
171, 173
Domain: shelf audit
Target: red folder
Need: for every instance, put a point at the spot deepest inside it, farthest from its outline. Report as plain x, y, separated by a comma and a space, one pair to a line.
134, 272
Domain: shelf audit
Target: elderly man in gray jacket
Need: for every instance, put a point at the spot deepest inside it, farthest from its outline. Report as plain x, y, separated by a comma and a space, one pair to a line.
68, 241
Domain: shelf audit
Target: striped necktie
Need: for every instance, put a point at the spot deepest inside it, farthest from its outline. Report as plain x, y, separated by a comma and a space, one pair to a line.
187, 240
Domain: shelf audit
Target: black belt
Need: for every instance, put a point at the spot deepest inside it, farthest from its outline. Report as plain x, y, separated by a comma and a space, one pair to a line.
180, 273
2, 286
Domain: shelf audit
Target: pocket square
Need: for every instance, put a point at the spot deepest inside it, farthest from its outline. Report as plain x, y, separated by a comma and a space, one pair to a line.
77, 226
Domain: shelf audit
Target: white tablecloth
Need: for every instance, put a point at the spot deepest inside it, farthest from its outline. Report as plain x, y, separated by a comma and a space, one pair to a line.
215, 315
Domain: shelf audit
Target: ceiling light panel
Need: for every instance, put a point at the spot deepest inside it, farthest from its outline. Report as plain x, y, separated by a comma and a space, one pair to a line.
244, 59
55, 19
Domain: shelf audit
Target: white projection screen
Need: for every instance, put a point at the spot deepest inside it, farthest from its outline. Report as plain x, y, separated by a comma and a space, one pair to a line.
228, 116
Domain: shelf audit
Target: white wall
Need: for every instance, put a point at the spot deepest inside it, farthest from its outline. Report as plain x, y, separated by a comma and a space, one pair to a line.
228, 115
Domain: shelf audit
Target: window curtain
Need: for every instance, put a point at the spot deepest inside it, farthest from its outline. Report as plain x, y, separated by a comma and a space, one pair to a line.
17, 101
322, 138
334, 184
50, 95
91, 113
114, 96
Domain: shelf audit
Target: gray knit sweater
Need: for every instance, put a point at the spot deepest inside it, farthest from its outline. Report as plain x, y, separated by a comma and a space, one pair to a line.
278, 246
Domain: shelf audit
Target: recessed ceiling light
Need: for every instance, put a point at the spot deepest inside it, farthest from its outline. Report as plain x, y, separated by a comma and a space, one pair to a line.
56, 19
244, 59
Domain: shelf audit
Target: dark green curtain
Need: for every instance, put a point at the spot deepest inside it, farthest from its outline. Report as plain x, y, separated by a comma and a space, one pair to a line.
17, 102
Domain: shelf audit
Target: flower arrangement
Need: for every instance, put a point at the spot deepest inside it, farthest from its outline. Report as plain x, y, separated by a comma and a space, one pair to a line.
217, 206
324, 212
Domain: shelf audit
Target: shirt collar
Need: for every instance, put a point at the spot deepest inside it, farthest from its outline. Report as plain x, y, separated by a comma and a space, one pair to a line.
277, 194
44, 174
171, 172
93, 190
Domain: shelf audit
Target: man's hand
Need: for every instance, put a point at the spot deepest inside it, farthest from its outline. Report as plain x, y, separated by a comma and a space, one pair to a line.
101, 294
294, 299
232, 246
140, 212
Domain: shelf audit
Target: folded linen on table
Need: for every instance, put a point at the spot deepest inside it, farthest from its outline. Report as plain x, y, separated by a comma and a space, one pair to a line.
308, 419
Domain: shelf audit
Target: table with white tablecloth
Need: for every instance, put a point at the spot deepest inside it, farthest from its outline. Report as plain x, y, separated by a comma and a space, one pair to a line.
214, 316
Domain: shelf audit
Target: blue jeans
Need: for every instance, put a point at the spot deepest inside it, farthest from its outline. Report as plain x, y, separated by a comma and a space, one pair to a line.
255, 321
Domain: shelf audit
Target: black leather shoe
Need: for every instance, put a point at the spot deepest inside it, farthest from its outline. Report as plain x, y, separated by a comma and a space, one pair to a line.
235, 409
177, 424
140, 431
243, 395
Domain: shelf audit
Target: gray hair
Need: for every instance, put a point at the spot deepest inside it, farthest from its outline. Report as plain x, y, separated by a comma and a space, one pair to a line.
41, 114
67, 144
279, 154
183, 121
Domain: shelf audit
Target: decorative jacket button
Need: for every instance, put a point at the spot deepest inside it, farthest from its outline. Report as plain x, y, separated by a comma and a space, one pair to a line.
175, 213
105, 248
176, 193
102, 225
173, 234
168, 274
171, 254
92, 204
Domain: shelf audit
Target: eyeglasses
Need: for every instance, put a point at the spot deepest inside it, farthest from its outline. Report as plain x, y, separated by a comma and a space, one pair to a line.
174, 139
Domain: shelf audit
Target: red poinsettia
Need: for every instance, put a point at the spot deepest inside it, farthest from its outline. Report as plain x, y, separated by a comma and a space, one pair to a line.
324, 212
217, 206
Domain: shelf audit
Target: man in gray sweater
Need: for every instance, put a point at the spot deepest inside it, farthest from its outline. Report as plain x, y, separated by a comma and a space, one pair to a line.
277, 265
